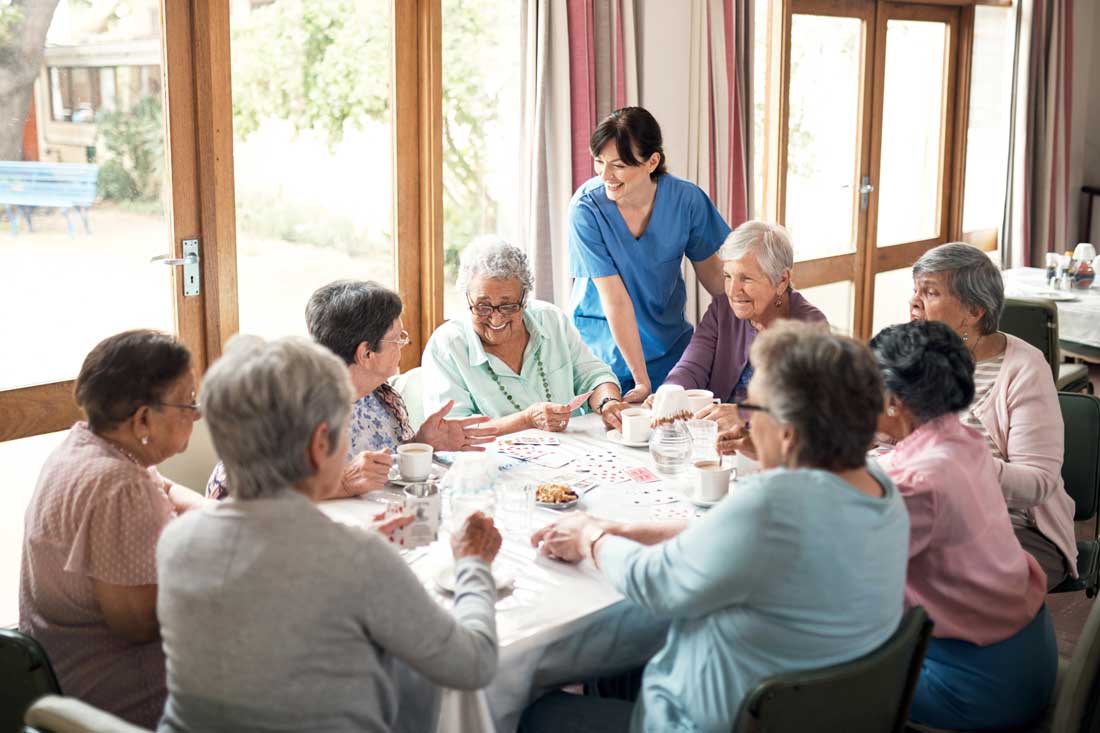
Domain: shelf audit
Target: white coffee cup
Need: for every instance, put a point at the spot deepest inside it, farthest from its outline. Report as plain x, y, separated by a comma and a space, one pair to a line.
713, 480
636, 427
414, 461
699, 399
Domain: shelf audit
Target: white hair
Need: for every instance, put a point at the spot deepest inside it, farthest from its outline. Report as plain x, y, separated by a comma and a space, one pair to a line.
263, 400
770, 243
496, 259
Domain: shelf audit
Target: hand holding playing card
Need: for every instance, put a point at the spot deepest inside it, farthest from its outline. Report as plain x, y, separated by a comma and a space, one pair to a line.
736, 440
578, 400
548, 416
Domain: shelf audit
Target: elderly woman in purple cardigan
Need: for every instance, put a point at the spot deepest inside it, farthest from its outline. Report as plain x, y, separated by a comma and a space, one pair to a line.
757, 258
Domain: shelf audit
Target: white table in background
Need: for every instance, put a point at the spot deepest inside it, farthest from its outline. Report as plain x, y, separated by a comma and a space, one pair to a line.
550, 601
1078, 319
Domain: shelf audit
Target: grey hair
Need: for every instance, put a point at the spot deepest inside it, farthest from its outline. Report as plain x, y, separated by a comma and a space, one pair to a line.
262, 401
827, 387
971, 277
495, 259
771, 243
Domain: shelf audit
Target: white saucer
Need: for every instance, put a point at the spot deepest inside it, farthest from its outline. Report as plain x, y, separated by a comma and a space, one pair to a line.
445, 580
617, 437
702, 503
395, 478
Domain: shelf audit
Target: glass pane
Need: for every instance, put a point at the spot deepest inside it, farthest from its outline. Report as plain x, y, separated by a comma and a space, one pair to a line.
22, 460
836, 301
481, 115
312, 153
83, 204
892, 292
912, 132
823, 127
990, 117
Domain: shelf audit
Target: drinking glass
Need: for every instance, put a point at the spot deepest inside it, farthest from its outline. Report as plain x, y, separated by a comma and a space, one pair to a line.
704, 439
516, 504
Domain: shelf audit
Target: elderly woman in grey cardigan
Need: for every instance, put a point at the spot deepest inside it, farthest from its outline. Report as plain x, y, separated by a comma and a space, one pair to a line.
275, 617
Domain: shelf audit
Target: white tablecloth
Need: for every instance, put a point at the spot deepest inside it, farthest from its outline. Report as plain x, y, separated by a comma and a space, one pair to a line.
1078, 319
556, 613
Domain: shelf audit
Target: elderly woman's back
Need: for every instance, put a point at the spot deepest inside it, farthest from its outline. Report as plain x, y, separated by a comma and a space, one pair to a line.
273, 616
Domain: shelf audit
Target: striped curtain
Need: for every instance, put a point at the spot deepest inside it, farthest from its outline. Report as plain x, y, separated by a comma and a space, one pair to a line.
1037, 205
720, 117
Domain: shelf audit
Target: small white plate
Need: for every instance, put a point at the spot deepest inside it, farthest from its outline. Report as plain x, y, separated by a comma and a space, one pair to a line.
617, 437
558, 505
702, 503
395, 478
445, 580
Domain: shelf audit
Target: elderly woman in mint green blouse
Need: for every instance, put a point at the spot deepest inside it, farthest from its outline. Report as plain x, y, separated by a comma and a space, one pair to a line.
515, 359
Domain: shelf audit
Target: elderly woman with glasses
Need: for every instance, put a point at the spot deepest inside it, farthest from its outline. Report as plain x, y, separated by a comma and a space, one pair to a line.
757, 258
275, 617
993, 658
360, 321
88, 582
517, 360
1015, 405
802, 567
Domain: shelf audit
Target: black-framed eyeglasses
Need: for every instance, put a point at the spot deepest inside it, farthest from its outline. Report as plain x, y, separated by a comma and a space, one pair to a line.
484, 310
752, 407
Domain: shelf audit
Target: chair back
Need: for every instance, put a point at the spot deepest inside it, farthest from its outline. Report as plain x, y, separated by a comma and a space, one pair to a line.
1035, 321
411, 386
27, 675
1081, 465
1077, 709
871, 694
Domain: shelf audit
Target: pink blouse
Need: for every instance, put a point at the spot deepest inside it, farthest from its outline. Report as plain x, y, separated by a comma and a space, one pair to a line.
966, 566
95, 515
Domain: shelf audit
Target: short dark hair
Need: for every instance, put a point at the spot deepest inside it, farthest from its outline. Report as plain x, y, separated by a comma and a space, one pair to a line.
630, 128
827, 386
346, 313
927, 366
127, 371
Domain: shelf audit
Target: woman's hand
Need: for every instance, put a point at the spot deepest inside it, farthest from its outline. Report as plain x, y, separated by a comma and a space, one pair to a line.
611, 414
649, 401
548, 416
386, 524
478, 537
459, 434
367, 471
736, 440
727, 416
641, 391
564, 539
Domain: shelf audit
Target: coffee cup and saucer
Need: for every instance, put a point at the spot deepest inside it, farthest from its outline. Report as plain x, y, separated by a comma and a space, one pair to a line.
635, 429
414, 464
711, 482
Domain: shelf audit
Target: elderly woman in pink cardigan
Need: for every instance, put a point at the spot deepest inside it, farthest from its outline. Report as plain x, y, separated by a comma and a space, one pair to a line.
757, 258
1015, 406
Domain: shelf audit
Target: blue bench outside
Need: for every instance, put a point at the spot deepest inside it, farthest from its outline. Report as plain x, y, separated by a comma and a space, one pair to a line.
65, 186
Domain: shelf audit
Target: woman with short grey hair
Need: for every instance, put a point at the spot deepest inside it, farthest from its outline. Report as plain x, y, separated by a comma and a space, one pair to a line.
1015, 405
360, 322
757, 259
303, 616
517, 360
803, 566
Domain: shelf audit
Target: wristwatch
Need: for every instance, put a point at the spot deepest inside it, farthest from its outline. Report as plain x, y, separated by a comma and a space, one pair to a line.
604, 401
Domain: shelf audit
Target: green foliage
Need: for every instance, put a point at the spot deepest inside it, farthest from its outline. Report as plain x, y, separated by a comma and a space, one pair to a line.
10, 17
134, 140
324, 65
115, 183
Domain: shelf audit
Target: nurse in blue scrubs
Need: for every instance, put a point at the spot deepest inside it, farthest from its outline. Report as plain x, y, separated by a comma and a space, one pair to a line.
629, 229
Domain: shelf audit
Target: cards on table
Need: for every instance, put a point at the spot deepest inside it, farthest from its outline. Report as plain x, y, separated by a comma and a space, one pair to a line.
531, 440
524, 452
642, 475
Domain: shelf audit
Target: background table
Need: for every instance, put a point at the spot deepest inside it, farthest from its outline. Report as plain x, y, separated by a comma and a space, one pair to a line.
555, 610
1078, 319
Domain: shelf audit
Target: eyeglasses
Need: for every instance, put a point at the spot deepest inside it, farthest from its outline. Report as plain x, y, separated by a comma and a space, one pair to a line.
196, 406
750, 407
484, 310
401, 340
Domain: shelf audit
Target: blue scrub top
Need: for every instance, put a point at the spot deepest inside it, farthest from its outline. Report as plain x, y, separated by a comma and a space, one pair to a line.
683, 222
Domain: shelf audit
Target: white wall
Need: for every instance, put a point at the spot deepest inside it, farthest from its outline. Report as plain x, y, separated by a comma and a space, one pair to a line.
663, 49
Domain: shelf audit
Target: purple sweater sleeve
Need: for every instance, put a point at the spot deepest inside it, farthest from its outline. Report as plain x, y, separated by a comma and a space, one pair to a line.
693, 369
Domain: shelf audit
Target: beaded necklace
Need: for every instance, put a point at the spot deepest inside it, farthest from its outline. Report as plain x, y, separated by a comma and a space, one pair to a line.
508, 395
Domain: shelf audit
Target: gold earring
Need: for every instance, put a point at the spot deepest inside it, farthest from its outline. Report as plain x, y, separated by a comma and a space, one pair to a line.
778, 302
966, 336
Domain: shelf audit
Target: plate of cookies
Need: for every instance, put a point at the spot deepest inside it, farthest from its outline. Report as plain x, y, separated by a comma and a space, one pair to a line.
555, 496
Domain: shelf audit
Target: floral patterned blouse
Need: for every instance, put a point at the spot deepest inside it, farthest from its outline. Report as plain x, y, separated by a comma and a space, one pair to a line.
374, 426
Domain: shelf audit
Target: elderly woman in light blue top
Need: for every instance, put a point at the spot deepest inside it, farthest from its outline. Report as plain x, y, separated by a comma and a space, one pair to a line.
803, 566
516, 360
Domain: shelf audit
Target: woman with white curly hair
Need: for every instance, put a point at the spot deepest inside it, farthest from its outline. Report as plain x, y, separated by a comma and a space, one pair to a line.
516, 359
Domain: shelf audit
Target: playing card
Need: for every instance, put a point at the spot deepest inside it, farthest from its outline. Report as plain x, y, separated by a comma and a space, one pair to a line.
524, 452
642, 475
579, 400
582, 485
531, 440
552, 459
